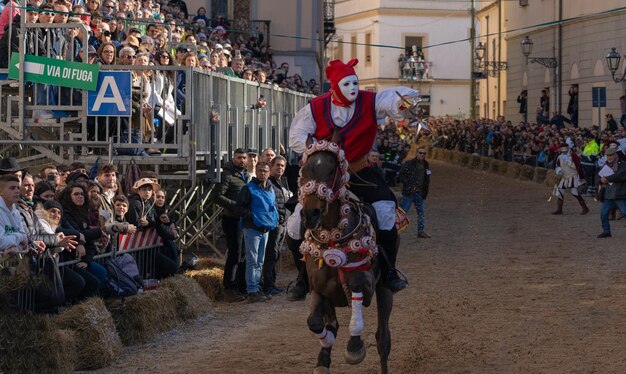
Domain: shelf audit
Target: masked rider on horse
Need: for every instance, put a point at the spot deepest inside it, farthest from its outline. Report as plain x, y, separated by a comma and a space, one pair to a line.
354, 114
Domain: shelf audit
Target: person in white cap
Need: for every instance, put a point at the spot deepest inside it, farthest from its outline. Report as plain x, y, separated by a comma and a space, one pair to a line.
353, 113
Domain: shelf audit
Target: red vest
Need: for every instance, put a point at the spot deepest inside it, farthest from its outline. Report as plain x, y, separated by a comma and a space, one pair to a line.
358, 135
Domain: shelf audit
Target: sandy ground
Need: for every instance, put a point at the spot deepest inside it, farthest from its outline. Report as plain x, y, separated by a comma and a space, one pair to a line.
501, 287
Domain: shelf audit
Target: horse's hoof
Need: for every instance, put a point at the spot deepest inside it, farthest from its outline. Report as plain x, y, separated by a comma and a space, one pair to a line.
358, 351
321, 370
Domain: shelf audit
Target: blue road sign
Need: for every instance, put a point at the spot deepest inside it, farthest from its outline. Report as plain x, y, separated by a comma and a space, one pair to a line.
112, 97
599, 97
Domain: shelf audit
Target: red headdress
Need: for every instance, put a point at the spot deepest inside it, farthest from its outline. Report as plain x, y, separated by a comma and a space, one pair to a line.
336, 71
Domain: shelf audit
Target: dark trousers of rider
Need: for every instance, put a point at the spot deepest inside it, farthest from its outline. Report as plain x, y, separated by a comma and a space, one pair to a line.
235, 268
272, 252
370, 187
294, 248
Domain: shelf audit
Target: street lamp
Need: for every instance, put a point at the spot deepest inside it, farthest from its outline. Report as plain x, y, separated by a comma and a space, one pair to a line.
527, 48
491, 67
613, 60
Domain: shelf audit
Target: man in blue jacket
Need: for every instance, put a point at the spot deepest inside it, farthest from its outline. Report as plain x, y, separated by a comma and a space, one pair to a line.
256, 205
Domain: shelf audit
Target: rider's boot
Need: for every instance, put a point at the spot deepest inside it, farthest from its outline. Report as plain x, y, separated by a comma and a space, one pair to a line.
388, 241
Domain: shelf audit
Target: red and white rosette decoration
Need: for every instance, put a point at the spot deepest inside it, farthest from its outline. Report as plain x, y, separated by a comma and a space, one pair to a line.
334, 257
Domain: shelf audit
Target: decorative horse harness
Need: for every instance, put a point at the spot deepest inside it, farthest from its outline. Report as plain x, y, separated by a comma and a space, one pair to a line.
333, 246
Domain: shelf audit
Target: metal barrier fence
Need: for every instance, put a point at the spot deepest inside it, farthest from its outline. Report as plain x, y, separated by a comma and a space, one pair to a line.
144, 255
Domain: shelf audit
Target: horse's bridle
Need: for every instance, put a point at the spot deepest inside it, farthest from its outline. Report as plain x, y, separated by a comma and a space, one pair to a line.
338, 244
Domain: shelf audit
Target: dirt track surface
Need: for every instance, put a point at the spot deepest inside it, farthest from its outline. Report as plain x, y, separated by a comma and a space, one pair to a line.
501, 287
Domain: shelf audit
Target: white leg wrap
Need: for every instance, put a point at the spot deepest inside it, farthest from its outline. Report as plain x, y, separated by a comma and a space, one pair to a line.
327, 338
356, 320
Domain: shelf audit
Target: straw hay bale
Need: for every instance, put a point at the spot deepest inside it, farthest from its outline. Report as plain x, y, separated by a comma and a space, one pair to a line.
527, 173
438, 154
92, 322
485, 163
498, 166
540, 175
551, 178
448, 155
514, 170
429, 151
208, 263
191, 301
474, 162
465, 159
141, 317
210, 280
15, 276
30, 343
456, 157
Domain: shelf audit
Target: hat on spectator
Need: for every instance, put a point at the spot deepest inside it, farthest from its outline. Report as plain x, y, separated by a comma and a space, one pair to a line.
106, 17
226, 52
228, 46
252, 151
218, 46
9, 165
75, 175
220, 29
202, 55
49, 204
144, 182
132, 41
201, 36
336, 71
610, 151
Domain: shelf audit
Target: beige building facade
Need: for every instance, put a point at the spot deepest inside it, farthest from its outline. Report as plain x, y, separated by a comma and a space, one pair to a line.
377, 32
491, 92
579, 46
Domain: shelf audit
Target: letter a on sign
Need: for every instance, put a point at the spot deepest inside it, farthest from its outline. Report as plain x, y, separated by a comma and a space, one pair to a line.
112, 97
116, 98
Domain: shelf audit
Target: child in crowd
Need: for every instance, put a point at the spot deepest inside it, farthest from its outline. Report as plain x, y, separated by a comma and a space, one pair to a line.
120, 203
166, 228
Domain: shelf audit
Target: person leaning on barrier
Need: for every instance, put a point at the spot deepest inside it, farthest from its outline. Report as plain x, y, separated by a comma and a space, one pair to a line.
142, 214
234, 177
75, 217
13, 235
166, 227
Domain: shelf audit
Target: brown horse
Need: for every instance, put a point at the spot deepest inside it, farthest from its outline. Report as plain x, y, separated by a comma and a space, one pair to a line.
341, 256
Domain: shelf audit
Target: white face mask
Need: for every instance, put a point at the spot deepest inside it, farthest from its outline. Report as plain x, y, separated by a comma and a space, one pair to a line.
349, 87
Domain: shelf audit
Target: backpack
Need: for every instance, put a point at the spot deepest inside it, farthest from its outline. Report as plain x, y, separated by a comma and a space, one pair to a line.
131, 175
124, 278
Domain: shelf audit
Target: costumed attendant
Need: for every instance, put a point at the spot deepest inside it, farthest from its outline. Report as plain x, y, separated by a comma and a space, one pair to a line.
572, 176
353, 114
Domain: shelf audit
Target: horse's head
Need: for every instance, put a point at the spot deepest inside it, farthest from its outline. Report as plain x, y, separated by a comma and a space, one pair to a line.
323, 174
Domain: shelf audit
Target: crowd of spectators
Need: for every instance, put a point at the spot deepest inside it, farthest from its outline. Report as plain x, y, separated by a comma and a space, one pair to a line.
143, 33
526, 143
393, 143
65, 213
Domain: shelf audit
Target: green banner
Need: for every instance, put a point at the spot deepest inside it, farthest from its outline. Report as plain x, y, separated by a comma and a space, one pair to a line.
55, 72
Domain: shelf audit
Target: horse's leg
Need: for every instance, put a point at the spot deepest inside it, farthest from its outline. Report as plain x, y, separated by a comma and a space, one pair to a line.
355, 353
384, 304
326, 335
